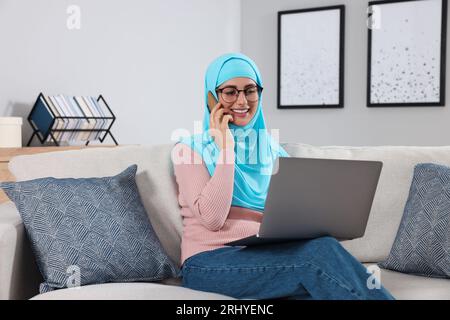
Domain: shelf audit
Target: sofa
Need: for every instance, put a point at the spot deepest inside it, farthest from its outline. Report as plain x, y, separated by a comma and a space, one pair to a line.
19, 276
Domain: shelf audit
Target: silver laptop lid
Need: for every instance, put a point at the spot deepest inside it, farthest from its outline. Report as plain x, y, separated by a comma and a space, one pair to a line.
309, 198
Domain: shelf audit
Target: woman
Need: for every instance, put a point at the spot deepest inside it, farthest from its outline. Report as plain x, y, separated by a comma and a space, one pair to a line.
222, 194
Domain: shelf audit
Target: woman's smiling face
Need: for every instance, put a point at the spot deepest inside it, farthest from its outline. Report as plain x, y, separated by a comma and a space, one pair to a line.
242, 109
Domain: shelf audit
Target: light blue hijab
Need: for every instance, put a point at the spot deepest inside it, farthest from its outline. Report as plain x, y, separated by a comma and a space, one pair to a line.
252, 170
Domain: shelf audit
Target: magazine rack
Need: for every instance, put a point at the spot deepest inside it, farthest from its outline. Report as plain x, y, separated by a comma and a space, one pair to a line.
42, 119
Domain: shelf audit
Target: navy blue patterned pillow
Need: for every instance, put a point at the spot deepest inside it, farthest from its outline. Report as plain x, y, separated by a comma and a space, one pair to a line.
90, 230
422, 244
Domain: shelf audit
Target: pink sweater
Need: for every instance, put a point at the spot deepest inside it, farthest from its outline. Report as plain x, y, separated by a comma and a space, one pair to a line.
209, 220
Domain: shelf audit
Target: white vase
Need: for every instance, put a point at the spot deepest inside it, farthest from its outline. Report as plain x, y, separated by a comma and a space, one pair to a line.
10, 132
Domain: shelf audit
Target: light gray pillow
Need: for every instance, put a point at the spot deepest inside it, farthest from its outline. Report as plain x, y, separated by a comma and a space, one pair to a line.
422, 244
90, 230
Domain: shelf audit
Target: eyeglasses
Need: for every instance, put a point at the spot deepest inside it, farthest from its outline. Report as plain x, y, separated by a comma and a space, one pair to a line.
231, 94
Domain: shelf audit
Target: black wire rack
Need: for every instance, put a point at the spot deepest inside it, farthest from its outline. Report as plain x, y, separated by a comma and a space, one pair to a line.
42, 120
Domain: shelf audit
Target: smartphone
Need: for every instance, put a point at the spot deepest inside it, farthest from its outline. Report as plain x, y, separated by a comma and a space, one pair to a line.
212, 101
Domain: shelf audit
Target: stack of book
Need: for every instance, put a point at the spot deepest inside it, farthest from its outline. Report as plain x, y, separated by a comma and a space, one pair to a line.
71, 118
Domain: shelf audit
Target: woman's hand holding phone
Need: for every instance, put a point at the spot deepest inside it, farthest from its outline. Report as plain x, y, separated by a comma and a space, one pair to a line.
218, 121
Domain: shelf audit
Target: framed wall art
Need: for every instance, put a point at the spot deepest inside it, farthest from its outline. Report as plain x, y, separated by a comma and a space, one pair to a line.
311, 58
406, 53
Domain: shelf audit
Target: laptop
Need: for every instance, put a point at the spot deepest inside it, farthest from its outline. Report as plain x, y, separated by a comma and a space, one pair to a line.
310, 198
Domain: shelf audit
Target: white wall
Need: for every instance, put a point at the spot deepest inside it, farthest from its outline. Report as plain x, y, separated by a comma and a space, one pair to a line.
147, 58
355, 124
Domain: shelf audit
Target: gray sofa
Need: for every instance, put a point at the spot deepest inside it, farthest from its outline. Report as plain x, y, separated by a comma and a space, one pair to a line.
19, 278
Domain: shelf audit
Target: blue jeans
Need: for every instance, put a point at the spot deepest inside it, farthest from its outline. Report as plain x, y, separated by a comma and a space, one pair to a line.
312, 269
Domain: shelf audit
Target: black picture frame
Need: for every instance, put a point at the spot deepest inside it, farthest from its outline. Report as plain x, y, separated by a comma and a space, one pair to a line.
338, 78
371, 101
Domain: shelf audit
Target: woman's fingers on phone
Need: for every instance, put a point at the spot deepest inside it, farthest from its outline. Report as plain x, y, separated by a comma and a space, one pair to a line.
213, 113
223, 123
227, 118
218, 115
215, 108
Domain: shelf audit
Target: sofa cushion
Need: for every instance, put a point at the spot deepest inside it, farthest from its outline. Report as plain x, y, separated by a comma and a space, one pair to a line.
155, 180
19, 277
392, 191
158, 189
89, 230
130, 291
422, 244
402, 286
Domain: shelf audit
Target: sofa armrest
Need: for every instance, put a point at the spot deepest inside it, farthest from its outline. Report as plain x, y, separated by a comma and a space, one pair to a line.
19, 275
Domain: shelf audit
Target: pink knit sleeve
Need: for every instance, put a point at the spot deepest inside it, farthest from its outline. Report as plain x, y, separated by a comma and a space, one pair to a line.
208, 197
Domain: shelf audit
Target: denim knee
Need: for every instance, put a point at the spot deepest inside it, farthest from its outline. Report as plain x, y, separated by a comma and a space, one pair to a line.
327, 246
327, 242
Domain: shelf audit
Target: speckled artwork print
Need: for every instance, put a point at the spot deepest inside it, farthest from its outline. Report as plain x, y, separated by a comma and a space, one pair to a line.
309, 64
405, 62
